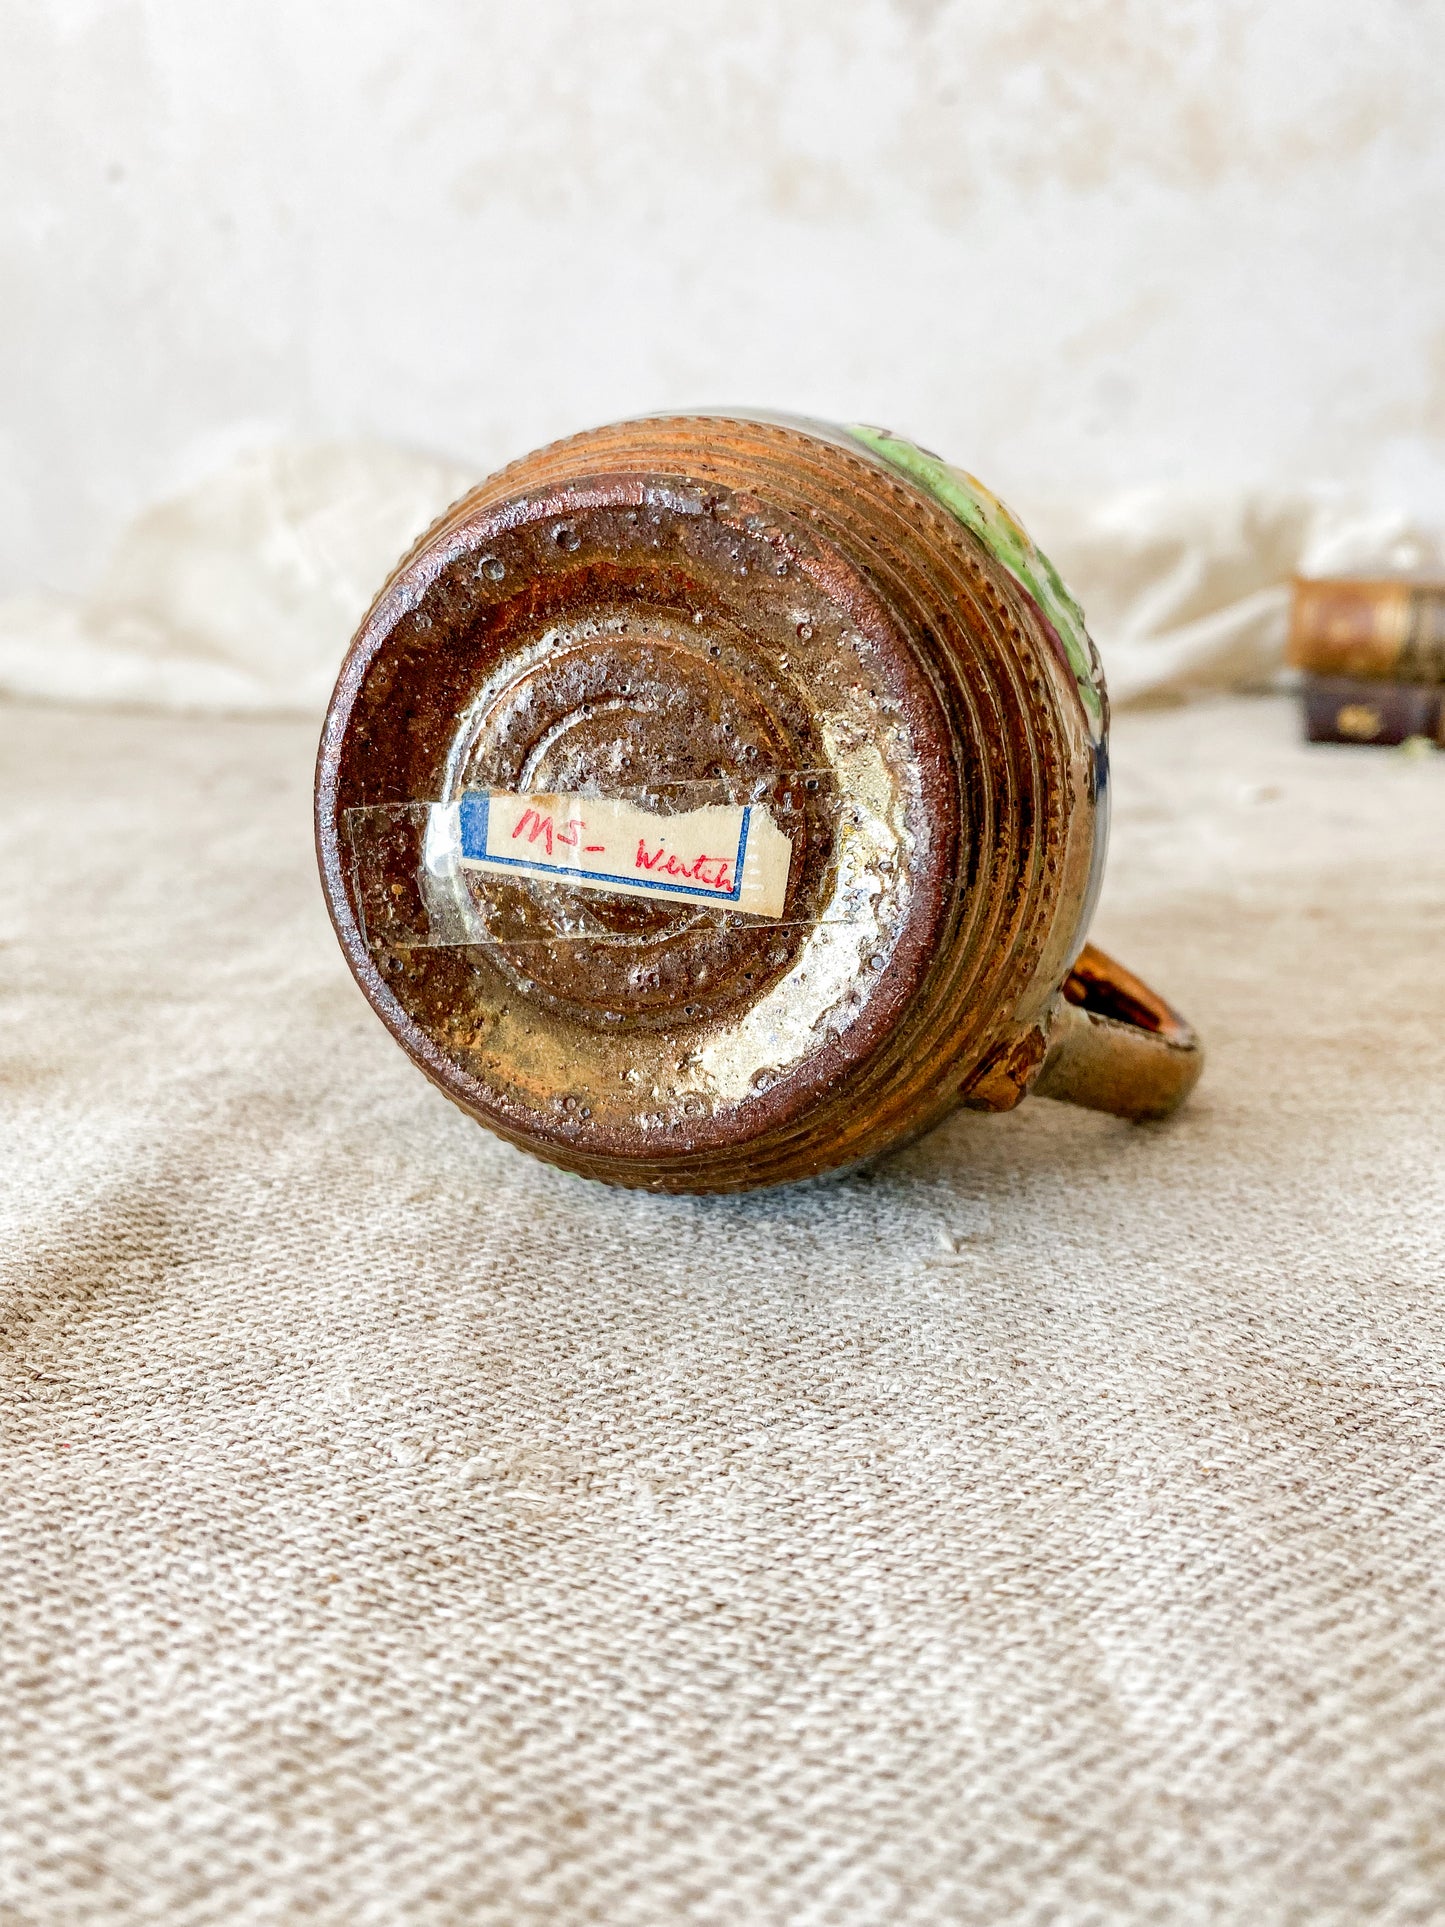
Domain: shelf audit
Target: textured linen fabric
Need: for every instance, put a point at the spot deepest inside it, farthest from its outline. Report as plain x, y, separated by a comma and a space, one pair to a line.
1043, 1527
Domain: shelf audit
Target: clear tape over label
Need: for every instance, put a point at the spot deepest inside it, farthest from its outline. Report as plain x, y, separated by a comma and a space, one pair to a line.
478, 870
734, 856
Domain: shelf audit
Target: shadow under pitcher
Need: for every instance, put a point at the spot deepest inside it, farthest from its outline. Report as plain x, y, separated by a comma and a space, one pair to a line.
714, 800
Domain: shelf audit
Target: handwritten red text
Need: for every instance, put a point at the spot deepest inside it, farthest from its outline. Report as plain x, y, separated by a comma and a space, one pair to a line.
710, 871
539, 824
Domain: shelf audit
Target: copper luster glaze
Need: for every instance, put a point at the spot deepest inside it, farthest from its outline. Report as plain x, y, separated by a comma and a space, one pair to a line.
735, 610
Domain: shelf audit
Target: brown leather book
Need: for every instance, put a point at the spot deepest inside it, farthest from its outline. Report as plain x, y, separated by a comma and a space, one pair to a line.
1391, 627
1357, 709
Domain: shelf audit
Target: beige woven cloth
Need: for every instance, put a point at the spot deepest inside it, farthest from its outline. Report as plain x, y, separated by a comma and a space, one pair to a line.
1046, 1527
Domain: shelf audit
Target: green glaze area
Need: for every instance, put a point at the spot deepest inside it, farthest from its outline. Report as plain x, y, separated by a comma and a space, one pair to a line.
965, 497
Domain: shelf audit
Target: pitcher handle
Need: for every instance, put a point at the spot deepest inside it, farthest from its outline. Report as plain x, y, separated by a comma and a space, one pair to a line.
1115, 1045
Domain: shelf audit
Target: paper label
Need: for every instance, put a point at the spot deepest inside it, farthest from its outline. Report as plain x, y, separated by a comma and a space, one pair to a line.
729, 854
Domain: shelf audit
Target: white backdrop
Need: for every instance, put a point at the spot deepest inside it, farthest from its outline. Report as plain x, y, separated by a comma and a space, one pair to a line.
1189, 246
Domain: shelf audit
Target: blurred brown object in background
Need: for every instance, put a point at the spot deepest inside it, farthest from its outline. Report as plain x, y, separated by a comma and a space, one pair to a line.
1389, 628
1357, 709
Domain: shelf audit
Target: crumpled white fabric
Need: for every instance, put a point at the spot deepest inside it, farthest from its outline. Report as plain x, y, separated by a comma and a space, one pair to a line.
1188, 591
241, 594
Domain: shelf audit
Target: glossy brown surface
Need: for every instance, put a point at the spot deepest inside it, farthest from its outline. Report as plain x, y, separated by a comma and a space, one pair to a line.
716, 610
1116, 1046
